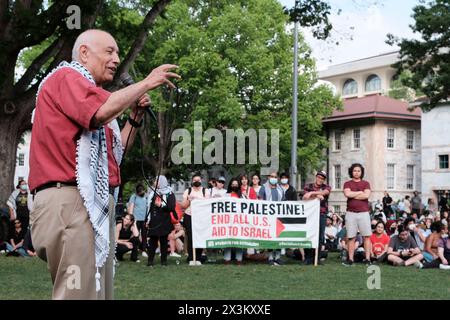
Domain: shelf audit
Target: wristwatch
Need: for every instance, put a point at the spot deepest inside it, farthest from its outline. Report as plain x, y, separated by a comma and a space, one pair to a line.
135, 124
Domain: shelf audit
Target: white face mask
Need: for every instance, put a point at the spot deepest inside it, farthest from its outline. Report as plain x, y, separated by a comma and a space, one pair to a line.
444, 236
411, 226
284, 181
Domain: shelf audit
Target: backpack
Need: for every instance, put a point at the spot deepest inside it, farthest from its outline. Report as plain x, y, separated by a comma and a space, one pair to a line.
203, 191
177, 214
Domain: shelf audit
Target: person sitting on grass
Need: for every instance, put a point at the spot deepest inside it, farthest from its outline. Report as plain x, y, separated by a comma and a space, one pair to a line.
379, 242
430, 252
127, 238
176, 244
330, 235
403, 250
15, 245
443, 253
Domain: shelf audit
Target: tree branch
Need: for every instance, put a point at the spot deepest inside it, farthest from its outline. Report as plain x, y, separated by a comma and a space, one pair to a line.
139, 42
37, 64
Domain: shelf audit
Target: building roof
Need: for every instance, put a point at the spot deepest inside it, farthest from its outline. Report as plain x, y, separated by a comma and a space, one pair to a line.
378, 61
375, 107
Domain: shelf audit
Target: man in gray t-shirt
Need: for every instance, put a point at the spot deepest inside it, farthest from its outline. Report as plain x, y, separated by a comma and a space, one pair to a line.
403, 250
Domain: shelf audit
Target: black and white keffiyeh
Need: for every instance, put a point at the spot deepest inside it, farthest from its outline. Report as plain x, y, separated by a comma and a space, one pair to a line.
92, 173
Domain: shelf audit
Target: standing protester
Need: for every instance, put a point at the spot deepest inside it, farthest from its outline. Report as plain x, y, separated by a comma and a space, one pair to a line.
443, 203
407, 204
290, 194
196, 191
247, 191
234, 191
272, 191
256, 183
318, 190
219, 191
212, 183
387, 206
20, 203
76, 146
357, 192
416, 204
137, 206
162, 203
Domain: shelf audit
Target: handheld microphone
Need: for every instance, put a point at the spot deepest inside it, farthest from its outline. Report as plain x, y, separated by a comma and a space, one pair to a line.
127, 80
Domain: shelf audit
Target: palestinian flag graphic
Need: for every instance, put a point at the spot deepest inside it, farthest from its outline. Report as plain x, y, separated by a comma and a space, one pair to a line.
289, 228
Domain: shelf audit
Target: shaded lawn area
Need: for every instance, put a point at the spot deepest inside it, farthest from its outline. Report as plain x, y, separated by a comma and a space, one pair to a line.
28, 278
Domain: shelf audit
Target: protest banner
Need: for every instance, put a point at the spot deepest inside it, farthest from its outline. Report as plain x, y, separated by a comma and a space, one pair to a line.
243, 223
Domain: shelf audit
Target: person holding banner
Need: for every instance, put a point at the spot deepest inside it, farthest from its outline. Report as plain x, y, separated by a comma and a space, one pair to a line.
234, 191
318, 190
290, 194
272, 191
194, 192
357, 217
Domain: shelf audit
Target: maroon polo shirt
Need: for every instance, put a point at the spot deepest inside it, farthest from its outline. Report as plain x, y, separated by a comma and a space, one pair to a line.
65, 107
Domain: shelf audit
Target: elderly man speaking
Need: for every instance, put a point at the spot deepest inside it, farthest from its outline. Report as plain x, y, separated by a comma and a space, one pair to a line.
76, 149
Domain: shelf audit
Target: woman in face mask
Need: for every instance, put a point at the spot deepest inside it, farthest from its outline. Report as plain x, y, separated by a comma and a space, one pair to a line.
290, 194
20, 204
234, 191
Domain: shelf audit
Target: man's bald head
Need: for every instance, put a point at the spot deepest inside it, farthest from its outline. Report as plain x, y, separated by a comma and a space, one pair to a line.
91, 38
98, 52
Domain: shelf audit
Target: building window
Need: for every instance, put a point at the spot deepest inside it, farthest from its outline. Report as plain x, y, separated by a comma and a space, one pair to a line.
390, 176
373, 83
350, 87
338, 139
21, 159
356, 139
390, 138
410, 177
337, 176
337, 209
410, 140
443, 161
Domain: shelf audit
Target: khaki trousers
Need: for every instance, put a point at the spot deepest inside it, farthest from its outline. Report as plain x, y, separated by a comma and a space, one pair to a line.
63, 236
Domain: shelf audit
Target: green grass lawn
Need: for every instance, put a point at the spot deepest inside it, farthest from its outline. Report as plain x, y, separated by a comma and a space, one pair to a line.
28, 279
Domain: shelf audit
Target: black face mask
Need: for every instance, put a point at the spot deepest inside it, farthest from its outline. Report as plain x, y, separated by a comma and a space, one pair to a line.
393, 229
210, 186
235, 189
141, 194
196, 184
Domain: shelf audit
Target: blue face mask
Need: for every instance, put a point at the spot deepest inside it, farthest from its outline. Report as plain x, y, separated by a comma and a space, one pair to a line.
23, 187
273, 181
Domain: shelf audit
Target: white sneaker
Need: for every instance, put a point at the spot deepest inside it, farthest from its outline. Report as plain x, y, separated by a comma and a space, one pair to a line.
157, 250
174, 254
418, 264
444, 267
144, 254
198, 263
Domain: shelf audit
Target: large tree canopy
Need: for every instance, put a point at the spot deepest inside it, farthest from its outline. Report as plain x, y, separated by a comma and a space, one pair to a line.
234, 57
428, 59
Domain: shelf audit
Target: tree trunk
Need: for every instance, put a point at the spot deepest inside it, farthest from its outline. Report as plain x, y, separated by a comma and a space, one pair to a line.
9, 139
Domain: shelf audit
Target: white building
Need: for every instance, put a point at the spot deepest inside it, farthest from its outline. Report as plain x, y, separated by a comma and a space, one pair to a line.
379, 132
22, 159
435, 152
